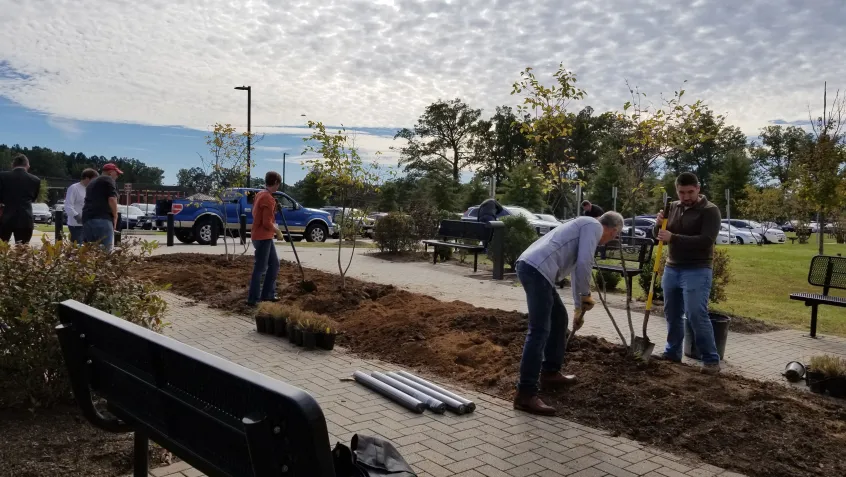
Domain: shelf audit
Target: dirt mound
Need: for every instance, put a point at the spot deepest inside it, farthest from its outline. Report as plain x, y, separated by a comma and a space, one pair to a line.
760, 429
59, 442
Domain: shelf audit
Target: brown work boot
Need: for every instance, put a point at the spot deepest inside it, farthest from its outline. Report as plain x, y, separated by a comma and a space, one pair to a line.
555, 380
532, 404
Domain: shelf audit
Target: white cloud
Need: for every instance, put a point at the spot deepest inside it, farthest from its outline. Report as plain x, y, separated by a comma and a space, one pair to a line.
378, 64
68, 127
272, 148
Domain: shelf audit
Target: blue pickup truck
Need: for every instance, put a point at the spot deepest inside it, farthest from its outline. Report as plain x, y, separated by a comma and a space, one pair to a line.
193, 218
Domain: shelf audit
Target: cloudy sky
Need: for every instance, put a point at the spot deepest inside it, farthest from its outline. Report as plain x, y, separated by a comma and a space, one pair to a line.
113, 77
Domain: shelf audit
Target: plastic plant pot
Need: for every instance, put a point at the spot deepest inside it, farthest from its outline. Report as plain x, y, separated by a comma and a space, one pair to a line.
837, 387
279, 326
309, 340
289, 330
816, 381
298, 336
326, 341
261, 324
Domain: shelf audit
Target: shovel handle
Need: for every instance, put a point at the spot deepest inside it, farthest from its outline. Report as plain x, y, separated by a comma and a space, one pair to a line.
657, 264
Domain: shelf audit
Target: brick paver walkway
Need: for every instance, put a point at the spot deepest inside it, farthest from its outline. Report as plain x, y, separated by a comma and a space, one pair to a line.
491, 442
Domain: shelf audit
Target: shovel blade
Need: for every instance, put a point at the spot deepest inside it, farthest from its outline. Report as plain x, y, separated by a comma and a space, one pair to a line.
642, 348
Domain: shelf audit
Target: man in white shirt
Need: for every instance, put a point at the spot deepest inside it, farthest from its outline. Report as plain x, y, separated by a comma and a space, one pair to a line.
74, 201
568, 249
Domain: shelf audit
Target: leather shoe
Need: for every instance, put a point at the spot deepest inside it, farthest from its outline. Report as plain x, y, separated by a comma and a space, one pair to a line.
554, 380
532, 404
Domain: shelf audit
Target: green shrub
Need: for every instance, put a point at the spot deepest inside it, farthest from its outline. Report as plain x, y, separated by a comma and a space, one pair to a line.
519, 234
394, 233
444, 253
34, 280
721, 276
427, 220
610, 279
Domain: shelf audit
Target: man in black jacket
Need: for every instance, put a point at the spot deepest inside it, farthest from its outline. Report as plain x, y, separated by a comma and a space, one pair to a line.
592, 210
18, 190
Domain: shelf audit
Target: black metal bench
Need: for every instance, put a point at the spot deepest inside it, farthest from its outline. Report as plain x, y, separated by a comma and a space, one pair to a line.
461, 230
223, 419
827, 272
637, 252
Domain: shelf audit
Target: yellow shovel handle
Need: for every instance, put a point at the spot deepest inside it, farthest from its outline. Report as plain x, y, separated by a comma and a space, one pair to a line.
656, 267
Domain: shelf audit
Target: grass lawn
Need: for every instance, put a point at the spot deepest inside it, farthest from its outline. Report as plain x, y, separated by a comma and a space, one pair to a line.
764, 277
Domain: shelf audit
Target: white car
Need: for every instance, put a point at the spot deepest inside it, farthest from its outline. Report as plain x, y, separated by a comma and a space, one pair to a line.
769, 234
541, 226
742, 236
723, 238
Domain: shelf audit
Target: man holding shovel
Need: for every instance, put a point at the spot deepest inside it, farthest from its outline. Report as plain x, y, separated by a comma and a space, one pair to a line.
568, 248
692, 227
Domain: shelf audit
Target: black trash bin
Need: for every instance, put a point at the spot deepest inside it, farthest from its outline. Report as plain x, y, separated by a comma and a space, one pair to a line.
721, 329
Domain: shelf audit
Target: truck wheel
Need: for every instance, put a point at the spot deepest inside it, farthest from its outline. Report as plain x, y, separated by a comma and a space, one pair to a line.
316, 232
203, 230
184, 236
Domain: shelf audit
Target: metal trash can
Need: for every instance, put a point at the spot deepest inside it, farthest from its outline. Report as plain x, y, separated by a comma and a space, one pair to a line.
721, 329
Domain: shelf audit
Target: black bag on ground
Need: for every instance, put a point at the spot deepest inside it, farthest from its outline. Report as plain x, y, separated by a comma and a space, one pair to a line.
369, 457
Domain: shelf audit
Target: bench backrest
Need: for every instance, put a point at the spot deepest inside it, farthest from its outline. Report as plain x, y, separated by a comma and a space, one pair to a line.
828, 272
221, 418
634, 249
462, 229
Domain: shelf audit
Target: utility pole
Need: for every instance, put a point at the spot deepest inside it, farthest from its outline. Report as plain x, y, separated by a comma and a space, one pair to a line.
284, 157
614, 196
249, 90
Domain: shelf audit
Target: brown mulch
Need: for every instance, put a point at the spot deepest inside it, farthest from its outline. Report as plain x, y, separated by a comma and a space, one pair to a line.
760, 429
60, 442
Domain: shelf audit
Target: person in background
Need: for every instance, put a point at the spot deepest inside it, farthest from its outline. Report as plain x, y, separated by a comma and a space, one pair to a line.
18, 190
592, 210
568, 248
692, 227
263, 232
75, 201
489, 210
100, 209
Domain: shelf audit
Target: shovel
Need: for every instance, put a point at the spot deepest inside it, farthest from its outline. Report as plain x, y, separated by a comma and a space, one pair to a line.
576, 325
642, 347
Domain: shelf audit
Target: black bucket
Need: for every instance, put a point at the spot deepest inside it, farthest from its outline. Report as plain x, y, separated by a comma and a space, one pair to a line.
720, 323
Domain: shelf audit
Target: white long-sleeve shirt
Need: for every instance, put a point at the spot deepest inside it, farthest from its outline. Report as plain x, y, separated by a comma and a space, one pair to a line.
568, 248
74, 201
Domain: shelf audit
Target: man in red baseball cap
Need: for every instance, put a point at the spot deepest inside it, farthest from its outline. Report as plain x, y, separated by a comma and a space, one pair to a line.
100, 212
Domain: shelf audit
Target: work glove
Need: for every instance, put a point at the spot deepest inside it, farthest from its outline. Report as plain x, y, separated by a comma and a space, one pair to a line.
578, 320
587, 303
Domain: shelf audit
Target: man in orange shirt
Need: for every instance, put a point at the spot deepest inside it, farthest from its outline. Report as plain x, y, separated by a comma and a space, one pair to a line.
263, 232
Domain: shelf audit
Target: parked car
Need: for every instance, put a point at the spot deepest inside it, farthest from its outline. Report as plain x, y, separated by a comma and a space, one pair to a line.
542, 227
42, 214
767, 233
195, 216
60, 205
723, 238
548, 217
129, 216
646, 224
742, 236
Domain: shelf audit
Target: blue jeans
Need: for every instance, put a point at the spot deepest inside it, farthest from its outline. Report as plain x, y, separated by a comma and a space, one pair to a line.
75, 233
99, 230
546, 340
267, 264
686, 293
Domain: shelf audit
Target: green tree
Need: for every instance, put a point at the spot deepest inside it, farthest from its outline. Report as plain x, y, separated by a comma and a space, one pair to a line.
704, 143
388, 196
820, 166
499, 144
194, 178
547, 125
778, 153
735, 174
523, 187
474, 193
307, 191
608, 175
762, 205
341, 173
442, 136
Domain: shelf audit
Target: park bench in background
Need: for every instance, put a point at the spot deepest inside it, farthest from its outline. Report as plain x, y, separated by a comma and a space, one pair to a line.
637, 252
223, 419
481, 234
827, 272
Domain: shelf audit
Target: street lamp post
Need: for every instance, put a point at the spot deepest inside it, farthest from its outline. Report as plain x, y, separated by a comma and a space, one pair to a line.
284, 156
249, 90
